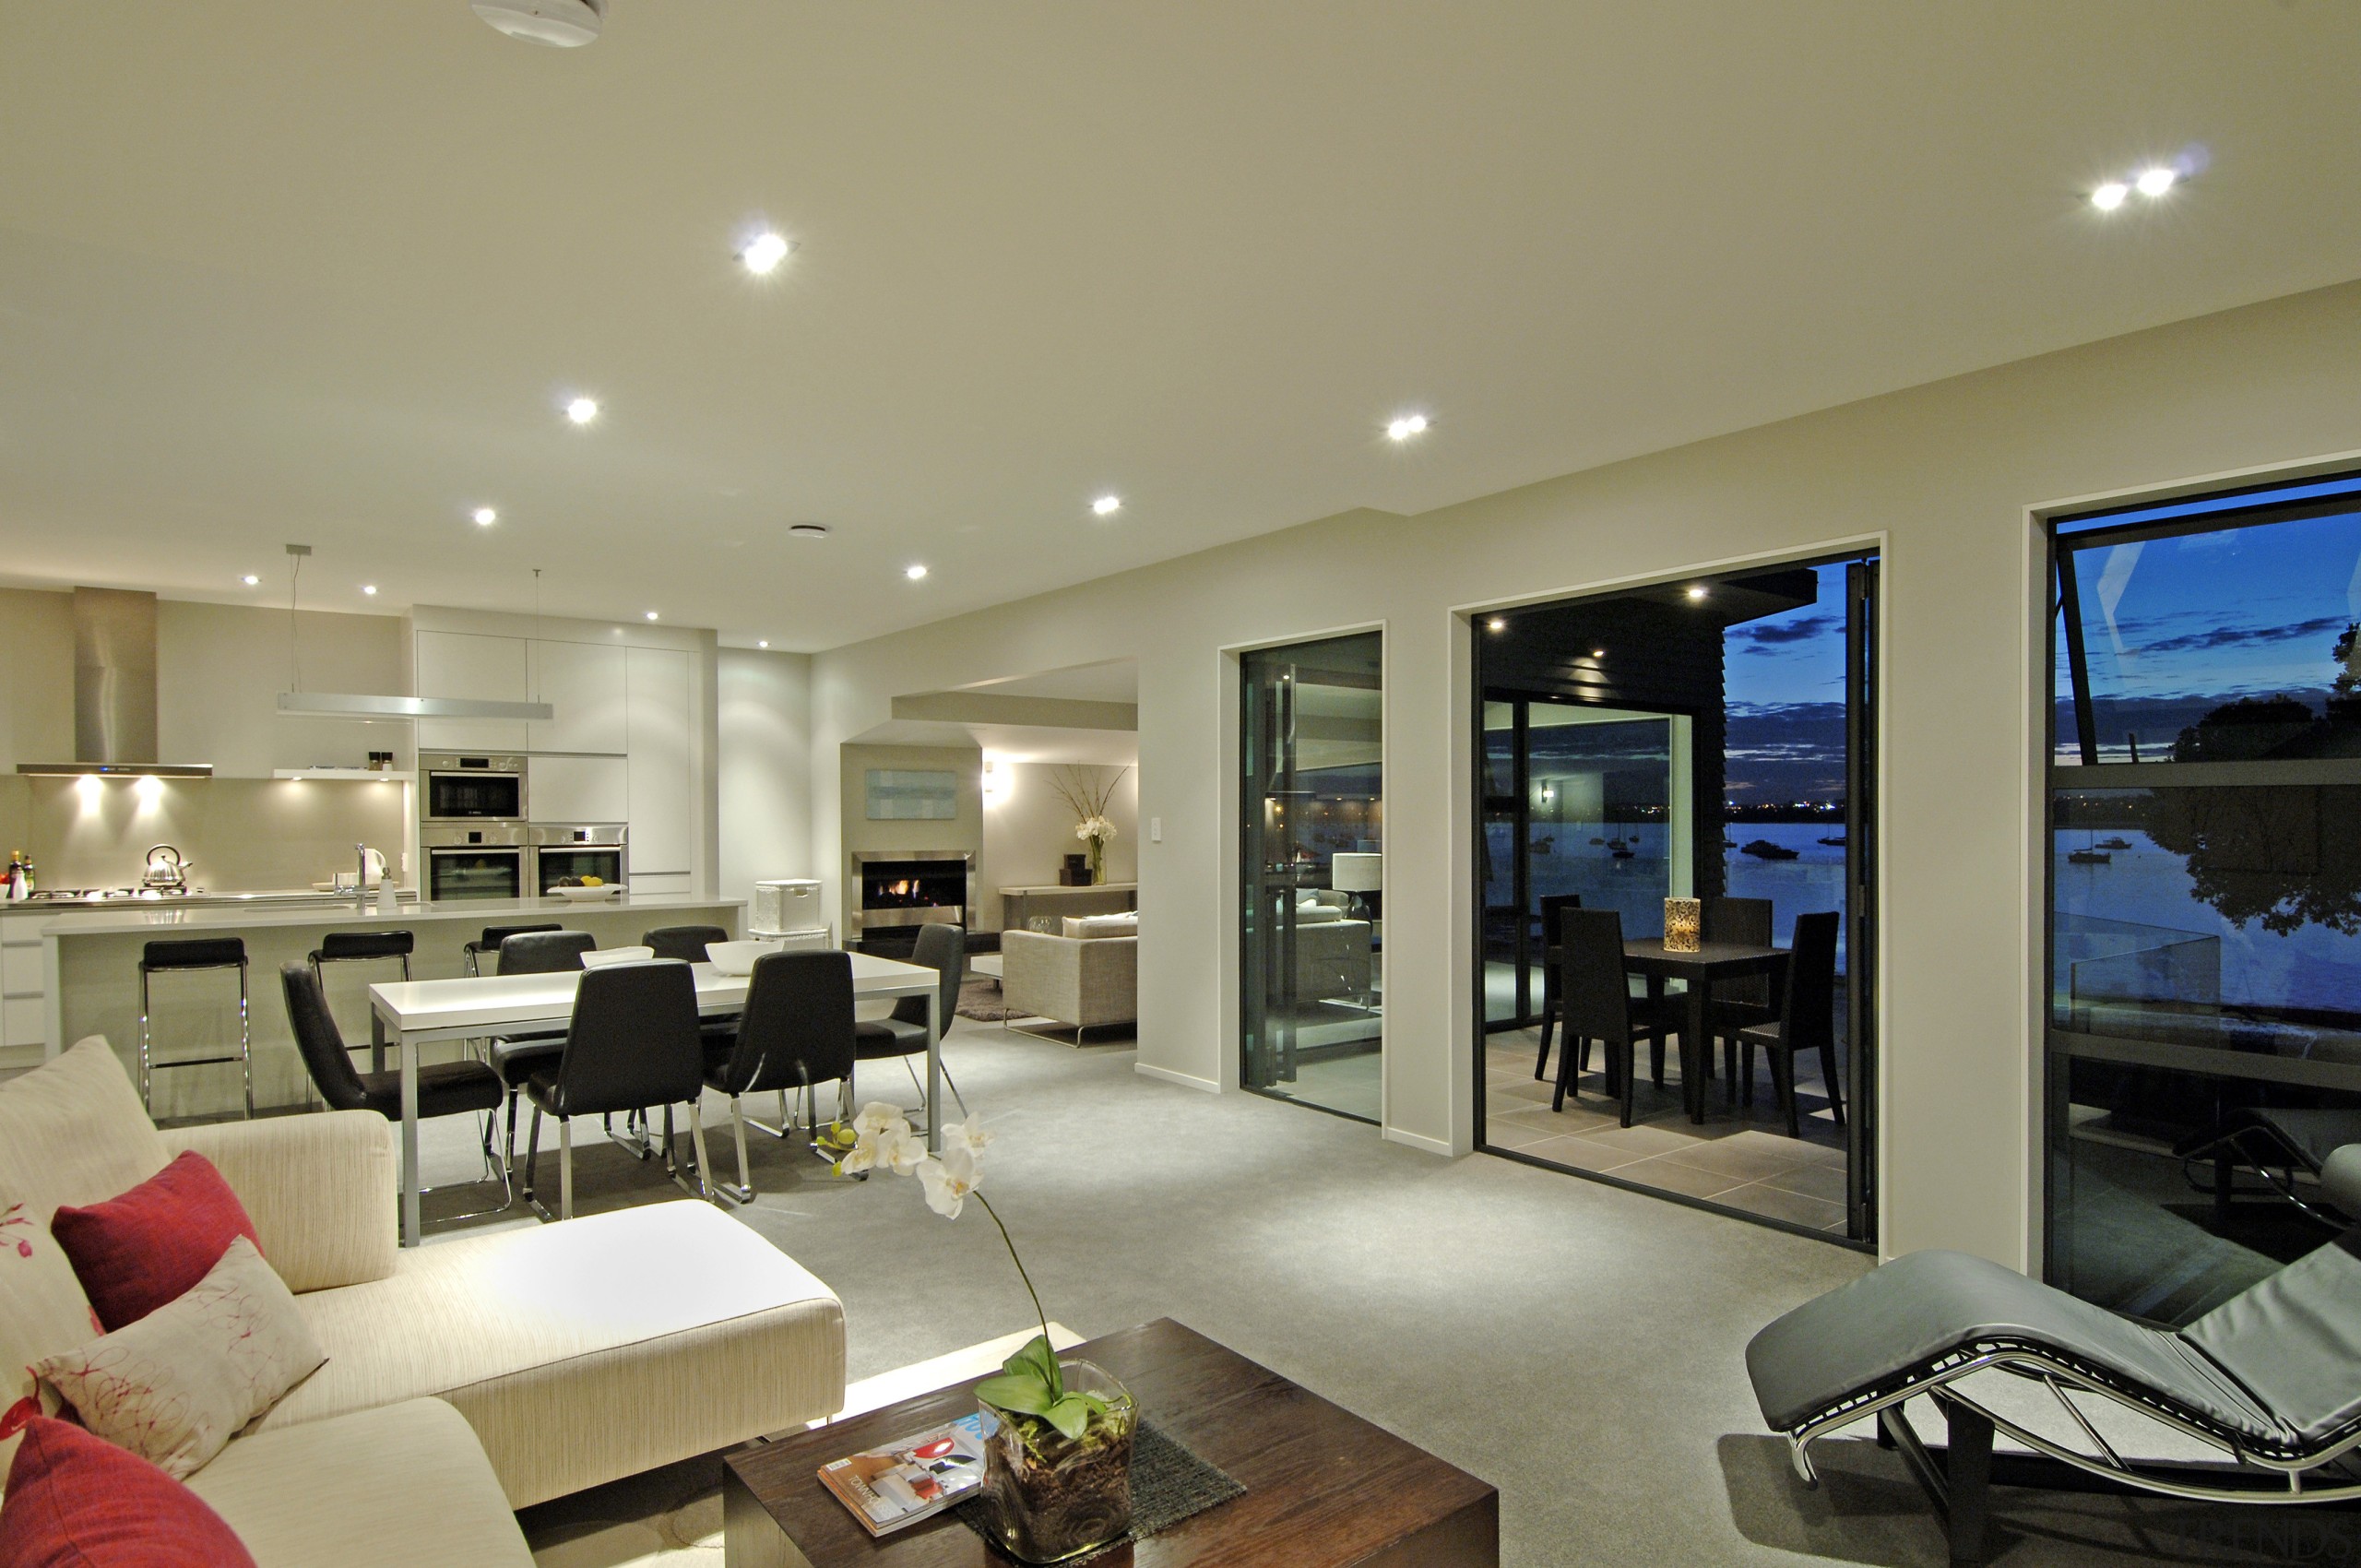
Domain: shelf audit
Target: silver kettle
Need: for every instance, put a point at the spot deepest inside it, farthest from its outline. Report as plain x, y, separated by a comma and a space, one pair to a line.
166, 870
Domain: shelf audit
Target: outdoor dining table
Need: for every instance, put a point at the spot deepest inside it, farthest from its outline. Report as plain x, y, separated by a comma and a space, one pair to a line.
414, 1012
1713, 961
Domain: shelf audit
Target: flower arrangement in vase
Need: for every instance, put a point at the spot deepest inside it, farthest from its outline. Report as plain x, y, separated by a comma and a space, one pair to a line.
1058, 1468
1088, 790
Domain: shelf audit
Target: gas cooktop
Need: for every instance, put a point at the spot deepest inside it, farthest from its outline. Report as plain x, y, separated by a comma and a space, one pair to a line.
106, 895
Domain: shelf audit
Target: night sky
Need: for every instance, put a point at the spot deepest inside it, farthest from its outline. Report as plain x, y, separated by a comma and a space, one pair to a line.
1784, 679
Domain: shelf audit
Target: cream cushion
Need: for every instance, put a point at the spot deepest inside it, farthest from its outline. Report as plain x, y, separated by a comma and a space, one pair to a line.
391, 1488
42, 1313
174, 1385
321, 1191
588, 1350
72, 1131
1084, 928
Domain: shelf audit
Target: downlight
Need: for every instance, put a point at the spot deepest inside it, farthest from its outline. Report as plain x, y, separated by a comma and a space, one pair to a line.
554, 24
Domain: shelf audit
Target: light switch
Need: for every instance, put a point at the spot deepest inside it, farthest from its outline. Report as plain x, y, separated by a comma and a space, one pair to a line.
1155, 830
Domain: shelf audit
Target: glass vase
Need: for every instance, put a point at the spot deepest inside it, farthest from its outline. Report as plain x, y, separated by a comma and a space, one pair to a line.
1050, 1497
1097, 862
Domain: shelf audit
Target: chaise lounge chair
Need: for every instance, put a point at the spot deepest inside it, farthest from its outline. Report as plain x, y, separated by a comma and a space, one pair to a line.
2271, 1379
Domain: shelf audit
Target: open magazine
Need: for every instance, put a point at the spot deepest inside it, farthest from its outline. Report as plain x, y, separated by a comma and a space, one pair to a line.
912, 1477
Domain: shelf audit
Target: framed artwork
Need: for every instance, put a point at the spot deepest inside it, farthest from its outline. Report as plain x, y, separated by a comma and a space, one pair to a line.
898, 794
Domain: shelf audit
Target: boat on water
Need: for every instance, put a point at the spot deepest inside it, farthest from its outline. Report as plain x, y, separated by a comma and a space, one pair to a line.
1763, 850
1623, 853
2089, 857
1838, 841
2113, 844
1598, 840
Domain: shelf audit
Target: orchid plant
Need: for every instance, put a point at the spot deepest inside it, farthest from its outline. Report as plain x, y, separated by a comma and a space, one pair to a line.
1089, 791
881, 1138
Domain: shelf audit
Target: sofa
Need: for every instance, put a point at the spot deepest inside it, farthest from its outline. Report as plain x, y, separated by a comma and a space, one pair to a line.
1087, 982
467, 1378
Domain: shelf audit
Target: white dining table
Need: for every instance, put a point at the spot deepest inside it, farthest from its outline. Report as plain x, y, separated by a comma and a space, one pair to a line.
408, 1014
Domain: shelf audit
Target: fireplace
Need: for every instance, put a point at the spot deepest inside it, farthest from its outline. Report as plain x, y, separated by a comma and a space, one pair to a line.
899, 890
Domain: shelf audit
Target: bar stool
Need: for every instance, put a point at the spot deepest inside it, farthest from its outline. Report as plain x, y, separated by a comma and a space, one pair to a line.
361, 946
494, 935
184, 957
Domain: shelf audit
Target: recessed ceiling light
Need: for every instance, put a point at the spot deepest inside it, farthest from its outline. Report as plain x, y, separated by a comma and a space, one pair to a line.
1496, 624
369, 588
582, 411
485, 516
807, 530
914, 571
1408, 426
1108, 505
651, 614
762, 644
2110, 196
764, 252
1697, 592
1598, 653
251, 580
2156, 182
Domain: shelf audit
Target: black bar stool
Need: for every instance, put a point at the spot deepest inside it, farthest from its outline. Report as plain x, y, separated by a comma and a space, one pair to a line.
494, 935
361, 946
184, 957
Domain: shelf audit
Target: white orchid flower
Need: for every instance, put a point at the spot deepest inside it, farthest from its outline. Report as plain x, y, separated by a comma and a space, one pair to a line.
878, 1116
969, 1134
949, 1180
900, 1152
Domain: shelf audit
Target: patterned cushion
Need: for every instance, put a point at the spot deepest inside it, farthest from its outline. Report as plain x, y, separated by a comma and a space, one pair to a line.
77, 1501
153, 1243
175, 1386
42, 1311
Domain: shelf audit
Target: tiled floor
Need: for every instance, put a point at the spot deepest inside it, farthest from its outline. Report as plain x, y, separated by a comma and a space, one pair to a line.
1740, 1157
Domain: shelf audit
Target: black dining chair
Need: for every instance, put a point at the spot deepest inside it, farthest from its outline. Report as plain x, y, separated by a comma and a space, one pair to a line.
444, 1088
632, 1045
517, 1057
687, 943
1807, 1020
472, 952
1742, 1003
1551, 903
795, 1033
1598, 1004
943, 948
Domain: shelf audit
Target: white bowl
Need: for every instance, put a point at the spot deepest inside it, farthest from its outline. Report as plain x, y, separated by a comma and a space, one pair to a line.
598, 958
738, 958
589, 895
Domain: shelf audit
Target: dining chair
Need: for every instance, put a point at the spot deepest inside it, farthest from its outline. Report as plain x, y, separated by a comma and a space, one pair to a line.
795, 1032
494, 935
444, 1088
516, 1057
1550, 904
1598, 1004
631, 1045
943, 948
1807, 1020
1742, 1003
687, 943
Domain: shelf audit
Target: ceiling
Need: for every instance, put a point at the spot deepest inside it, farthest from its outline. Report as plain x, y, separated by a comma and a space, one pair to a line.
285, 270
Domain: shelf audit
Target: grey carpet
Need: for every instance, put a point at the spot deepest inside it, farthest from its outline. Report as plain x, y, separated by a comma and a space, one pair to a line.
1579, 1347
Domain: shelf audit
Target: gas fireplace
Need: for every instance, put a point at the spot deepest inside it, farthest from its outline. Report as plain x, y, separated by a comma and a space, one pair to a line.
902, 890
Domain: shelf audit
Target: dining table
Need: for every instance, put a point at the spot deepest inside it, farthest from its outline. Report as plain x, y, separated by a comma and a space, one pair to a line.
409, 1013
1710, 962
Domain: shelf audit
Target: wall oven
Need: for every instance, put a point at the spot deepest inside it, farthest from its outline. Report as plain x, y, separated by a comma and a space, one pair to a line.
476, 862
578, 850
456, 788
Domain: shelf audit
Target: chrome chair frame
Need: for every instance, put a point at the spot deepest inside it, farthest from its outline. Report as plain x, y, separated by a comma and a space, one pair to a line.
245, 1058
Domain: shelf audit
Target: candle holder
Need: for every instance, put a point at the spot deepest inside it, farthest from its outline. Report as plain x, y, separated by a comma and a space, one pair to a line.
1684, 924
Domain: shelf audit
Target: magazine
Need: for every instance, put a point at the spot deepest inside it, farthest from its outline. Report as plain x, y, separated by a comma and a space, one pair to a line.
912, 1477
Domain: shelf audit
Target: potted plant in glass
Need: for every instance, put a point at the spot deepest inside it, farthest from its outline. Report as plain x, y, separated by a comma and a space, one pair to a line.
1089, 791
1058, 1469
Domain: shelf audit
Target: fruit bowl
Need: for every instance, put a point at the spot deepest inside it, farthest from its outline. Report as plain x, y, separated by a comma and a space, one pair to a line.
737, 957
589, 895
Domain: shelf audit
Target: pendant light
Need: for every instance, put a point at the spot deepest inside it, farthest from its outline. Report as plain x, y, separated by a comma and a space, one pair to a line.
359, 704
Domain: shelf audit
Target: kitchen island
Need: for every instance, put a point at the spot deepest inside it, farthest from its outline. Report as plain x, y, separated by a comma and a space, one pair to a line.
89, 970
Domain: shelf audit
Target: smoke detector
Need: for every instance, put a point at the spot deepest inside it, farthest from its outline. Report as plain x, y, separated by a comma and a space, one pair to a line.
559, 24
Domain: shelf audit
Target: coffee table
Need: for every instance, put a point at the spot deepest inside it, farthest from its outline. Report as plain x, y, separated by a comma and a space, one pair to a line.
1323, 1487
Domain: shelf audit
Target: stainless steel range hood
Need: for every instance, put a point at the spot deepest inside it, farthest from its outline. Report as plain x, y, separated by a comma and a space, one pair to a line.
115, 690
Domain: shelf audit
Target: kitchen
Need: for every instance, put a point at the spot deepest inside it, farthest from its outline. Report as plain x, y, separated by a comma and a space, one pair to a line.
618, 776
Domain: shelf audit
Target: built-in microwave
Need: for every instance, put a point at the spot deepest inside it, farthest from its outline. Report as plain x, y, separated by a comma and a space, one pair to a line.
492, 862
455, 787
578, 850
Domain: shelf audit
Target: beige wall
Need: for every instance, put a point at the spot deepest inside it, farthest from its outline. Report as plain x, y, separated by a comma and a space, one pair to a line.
238, 835
847, 794
1028, 831
764, 718
1943, 475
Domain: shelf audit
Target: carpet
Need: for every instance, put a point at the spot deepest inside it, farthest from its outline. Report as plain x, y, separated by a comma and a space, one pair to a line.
981, 999
672, 1517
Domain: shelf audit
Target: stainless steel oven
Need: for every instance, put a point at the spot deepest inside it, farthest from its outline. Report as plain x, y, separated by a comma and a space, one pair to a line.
458, 788
490, 862
578, 850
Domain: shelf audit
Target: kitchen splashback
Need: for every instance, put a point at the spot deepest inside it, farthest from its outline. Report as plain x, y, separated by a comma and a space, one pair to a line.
240, 835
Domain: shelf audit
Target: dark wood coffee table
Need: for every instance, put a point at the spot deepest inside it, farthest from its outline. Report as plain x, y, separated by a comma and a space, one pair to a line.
1322, 1486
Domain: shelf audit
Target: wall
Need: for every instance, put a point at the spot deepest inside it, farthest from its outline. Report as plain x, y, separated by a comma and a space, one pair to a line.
764, 706
1028, 831
1941, 476
237, 835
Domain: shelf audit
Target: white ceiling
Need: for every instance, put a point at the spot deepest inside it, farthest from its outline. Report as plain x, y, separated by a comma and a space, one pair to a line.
285, 270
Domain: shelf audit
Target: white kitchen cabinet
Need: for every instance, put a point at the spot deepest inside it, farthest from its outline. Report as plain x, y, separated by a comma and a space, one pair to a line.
21, 965
658, 726
647, 884
465, 664
584, 683
577, 789
22, 1023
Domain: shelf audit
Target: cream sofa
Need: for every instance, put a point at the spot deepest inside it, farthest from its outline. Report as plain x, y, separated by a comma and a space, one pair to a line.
1085, 981
467, 1378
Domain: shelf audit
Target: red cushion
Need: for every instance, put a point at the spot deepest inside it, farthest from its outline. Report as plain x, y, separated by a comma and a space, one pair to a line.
75, 1501
152, 1245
